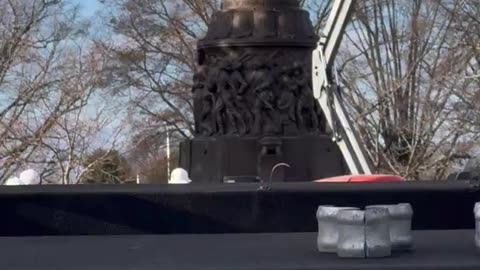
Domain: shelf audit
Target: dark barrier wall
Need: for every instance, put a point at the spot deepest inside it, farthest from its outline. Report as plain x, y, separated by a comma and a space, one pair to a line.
287, 207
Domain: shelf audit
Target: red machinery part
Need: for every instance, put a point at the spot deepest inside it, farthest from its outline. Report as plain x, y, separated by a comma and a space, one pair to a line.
362, 179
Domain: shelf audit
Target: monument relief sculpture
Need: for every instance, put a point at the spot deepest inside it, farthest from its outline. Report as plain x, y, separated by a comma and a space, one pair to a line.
253, 97
253, 91
203, 95
287, 102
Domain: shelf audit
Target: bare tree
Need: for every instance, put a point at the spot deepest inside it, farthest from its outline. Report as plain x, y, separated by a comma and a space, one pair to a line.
154, 57
400, 71
73, 140
49, 72
148, 156
320, 11
408, 68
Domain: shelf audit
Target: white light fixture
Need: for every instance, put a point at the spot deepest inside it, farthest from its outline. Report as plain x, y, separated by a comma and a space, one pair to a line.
179, 176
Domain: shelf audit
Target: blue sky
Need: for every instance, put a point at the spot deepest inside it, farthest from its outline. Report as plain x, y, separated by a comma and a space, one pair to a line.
88, 7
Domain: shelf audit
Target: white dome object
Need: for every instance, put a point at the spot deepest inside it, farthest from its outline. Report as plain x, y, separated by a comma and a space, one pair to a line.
179, 176
29, 177
12, 181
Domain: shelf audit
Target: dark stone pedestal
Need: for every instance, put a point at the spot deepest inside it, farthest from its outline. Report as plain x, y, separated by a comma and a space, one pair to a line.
217, 160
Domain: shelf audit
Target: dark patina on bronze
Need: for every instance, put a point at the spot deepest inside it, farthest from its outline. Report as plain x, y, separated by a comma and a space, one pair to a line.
254, 82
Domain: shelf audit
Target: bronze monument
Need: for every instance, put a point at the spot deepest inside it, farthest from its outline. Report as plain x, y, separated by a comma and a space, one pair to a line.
254, 106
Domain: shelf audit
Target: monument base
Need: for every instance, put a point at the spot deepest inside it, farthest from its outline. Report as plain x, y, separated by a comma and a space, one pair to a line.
234, 159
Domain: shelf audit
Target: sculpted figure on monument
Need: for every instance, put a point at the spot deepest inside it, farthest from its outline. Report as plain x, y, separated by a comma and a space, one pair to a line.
237, 82
242, 103
254, 97
307, 112
243, 106
238, 86
212, 85
206, 100
228, 114
286, 102
261, 82
265, 113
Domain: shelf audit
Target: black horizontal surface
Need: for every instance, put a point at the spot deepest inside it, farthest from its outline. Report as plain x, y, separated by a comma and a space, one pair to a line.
228, 208
433, 250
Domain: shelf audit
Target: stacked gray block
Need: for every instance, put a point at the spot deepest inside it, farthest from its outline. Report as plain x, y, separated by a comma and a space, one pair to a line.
327, 237
377, 233
476, 211
400, 225
351, 234
373, 233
